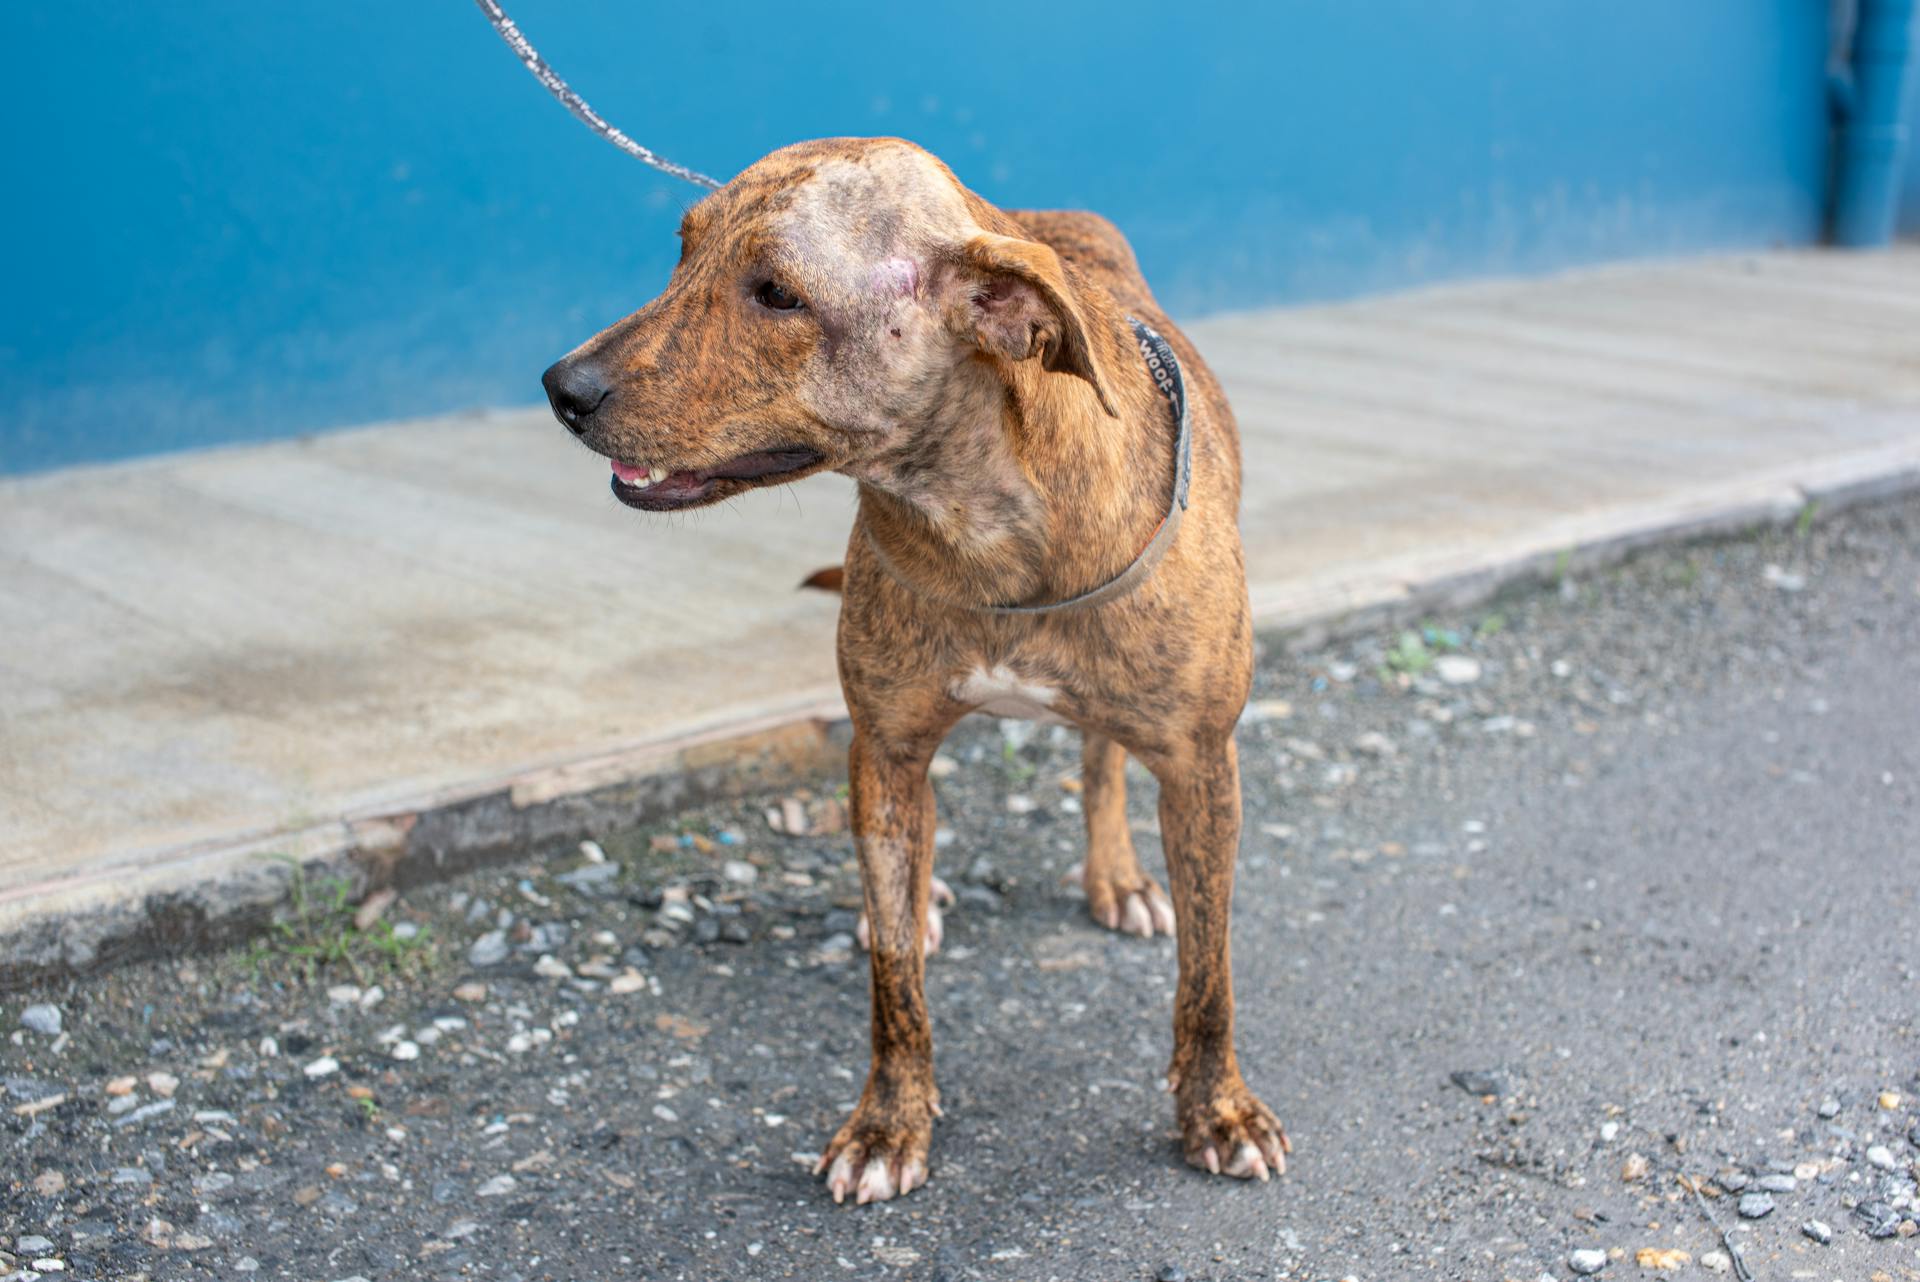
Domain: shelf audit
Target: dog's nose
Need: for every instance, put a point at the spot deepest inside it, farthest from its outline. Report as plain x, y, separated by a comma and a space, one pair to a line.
575, 389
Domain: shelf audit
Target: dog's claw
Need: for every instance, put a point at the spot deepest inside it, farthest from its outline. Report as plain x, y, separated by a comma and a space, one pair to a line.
880, 1154
1229, 1118
936, 930
876, 1182
1140, 909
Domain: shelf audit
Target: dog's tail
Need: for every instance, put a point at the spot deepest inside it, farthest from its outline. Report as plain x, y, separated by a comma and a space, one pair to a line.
831, 579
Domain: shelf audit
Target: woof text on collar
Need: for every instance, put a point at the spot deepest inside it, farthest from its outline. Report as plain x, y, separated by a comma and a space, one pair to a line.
523, 49
1165, 369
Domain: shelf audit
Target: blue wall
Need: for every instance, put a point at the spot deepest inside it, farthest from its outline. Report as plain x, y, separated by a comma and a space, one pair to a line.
239, 220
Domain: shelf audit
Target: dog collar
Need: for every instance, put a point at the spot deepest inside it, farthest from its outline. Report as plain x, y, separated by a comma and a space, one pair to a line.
1165, 369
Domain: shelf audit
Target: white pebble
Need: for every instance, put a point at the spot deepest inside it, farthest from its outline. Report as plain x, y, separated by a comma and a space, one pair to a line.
406, 1050
325, 1066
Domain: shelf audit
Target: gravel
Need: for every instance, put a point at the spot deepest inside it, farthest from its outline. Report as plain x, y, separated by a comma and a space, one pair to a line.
1628, 893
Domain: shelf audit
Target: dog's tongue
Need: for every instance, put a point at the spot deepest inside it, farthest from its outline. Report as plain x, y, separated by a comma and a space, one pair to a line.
629, 475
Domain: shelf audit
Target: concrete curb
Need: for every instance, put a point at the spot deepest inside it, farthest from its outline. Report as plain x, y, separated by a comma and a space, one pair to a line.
176, 900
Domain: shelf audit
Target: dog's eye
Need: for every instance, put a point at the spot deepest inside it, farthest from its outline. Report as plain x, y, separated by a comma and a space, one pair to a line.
776, 296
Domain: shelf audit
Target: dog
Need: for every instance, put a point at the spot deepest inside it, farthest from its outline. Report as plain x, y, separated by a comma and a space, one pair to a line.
1049, 489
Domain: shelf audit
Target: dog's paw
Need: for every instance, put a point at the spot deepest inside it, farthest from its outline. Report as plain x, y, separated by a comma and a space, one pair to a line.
1136, 906
1226, 1130
880, 1154
930, 943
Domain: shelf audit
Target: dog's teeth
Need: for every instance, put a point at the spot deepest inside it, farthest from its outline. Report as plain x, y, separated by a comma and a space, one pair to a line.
655, 475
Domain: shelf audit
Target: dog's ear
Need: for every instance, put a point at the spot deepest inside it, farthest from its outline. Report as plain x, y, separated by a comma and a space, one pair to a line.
1017, 302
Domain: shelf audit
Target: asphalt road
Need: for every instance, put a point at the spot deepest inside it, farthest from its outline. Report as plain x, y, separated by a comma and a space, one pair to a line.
1642, 877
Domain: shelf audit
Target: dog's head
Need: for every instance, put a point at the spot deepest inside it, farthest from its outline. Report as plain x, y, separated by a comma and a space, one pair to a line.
823, 304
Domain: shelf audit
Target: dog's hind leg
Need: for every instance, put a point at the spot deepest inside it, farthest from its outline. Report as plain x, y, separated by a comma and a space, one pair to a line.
1224, 1127
881, 1152
1120, 896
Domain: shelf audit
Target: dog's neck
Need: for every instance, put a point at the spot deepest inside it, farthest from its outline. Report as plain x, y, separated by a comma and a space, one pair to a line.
1020, 488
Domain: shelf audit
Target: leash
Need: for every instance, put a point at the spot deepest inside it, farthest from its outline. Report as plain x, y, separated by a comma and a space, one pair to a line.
1165, 369
510, 32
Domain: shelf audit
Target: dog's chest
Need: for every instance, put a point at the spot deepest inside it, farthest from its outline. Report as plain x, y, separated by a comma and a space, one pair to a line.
999, 691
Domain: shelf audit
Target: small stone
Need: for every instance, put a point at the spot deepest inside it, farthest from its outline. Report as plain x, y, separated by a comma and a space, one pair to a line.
1476, 1081
1587, 1261
471, 992
50, 1183
740, 872
489, 950
1375, 744
498, 1186
1608, 1130
1715, 1261
119, 1104
552, 967
1457, 669
1818, 1230
49, 1264
163, 1084
1806, 1171
1731, 1180
1829, 1107
33, 1244
404, 1051
42, 1018
1634, 1168
122, 1085
1170, 1273
132, 1175
1662, 1259
627, 981
146, 1112
344, 994
1889, 1100
1754, 1206
590, 878
1881, 1156
1878, 1219
1776, 1183
1784, 579
325, 1066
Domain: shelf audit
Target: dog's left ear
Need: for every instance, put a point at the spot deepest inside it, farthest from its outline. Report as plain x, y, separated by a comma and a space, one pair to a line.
1019, 303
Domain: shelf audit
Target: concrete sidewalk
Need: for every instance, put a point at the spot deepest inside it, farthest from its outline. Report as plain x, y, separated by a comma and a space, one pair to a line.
305, 647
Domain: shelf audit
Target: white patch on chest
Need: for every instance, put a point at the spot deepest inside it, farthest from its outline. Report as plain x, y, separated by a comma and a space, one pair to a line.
1000, 692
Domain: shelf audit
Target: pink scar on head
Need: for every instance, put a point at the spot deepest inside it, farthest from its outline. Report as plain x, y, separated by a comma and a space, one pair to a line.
897, 276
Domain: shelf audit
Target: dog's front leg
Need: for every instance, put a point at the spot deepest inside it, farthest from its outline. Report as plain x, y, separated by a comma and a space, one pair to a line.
1224, 1127
881, 1152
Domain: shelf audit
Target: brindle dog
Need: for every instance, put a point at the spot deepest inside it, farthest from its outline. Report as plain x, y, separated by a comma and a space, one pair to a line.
848, 305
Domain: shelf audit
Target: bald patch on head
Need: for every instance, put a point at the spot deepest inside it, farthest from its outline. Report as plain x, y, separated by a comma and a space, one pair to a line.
855, 213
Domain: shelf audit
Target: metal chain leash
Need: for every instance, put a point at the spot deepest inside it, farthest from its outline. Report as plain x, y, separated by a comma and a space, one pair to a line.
573, 102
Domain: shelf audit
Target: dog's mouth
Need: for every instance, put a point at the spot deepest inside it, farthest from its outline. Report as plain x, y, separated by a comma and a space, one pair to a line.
654, 489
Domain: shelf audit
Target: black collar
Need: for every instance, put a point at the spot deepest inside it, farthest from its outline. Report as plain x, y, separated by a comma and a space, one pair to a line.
1165, 369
